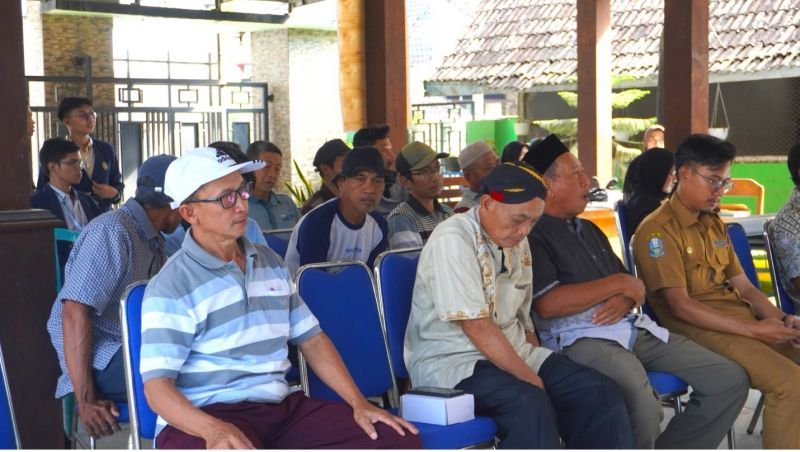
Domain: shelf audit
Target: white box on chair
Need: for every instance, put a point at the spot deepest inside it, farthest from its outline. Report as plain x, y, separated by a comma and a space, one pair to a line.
440, 406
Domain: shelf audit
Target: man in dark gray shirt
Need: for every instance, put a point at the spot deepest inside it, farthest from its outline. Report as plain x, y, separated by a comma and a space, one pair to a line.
582, 302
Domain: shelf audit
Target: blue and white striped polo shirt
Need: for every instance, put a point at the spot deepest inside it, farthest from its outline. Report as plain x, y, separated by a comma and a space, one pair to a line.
220, 333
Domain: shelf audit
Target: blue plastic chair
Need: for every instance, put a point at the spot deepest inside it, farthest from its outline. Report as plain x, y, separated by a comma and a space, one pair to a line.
278, 240
784, 301
64, 239
142, 418
9, 436
742, 248
332, 288
669, 387
396, 271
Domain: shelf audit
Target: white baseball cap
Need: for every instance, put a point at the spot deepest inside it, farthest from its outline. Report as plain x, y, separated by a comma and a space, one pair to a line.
198, 167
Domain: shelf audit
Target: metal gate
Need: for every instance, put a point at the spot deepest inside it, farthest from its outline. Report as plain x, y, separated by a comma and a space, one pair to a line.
143, 117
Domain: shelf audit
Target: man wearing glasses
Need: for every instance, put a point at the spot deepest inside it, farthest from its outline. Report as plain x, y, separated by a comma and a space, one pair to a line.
101, 178
411, 223
696, 286
216, 322
114, 250
60, 161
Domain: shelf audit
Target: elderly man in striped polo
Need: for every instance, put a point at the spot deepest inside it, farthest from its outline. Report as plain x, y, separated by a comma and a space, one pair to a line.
215, 325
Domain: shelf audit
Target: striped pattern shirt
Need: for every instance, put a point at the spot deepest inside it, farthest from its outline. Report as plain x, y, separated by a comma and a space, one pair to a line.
410, 224
220, 333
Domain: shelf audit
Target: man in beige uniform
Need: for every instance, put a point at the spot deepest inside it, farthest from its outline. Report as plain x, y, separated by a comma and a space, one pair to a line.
697, 287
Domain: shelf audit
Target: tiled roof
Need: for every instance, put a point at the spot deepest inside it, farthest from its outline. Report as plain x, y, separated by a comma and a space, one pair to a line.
530, 45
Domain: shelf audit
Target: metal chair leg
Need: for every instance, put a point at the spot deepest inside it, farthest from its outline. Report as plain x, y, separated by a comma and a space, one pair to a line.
676, 405
731, 439
756, 414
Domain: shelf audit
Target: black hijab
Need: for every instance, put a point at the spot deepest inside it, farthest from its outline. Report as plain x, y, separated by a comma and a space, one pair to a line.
648, 172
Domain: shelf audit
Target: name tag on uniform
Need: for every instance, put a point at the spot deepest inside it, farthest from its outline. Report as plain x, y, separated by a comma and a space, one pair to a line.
720, 243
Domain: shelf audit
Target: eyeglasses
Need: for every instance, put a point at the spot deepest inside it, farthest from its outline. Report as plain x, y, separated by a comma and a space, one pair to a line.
716, 183
428, 172
228, 199
86, 115
71, 162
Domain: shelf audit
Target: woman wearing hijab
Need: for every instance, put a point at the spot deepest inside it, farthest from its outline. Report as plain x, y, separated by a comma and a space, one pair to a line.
514, 151
649, 181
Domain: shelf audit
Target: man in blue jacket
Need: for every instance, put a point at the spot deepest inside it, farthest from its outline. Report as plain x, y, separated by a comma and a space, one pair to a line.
101, 178
60, 162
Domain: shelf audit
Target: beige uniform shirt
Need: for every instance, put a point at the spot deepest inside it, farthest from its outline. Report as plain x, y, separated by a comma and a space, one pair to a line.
459, 278
674, 248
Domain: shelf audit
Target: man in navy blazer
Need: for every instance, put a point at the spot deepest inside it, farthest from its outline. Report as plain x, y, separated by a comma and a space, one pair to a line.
60, 163
100, 175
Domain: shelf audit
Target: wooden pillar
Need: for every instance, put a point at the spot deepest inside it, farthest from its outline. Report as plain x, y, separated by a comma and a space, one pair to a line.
684, 86
386, 67
350, 15
27, 281
594, 87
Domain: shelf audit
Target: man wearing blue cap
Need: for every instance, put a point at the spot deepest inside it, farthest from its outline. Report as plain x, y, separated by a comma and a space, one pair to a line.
470, 327
114, 250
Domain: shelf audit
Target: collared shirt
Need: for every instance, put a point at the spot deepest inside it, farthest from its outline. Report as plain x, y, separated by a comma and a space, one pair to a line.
571, 252
115, 249
326, 235
74, 215
221, 333
319, 197
276, 212
410, 224
87, 157
785, 233
674, 248
463, 275
469, 199
396, 195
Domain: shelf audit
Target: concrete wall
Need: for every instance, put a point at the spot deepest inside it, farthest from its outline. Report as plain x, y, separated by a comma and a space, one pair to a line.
65, 37
301, 67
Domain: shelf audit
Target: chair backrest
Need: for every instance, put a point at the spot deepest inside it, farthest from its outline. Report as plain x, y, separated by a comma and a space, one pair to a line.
64, 239
9, 436
635, 272
750, 188
624, 236
784, 301
278, 240
451, 189
395, 272
342, 297
143, 419
742, 248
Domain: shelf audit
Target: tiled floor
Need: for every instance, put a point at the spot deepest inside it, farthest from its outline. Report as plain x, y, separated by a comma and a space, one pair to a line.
743, 440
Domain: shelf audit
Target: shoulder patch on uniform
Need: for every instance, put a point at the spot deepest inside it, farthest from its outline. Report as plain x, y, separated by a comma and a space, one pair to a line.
656, 245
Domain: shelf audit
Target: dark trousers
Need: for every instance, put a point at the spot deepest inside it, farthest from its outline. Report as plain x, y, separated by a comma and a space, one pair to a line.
109, 383
579, 404
296, 423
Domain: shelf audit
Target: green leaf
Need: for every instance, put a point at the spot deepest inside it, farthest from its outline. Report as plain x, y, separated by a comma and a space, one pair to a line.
623, 99
300, 193
569, 98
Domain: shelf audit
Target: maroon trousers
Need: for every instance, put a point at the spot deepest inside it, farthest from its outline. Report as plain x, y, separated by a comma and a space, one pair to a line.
296, 423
